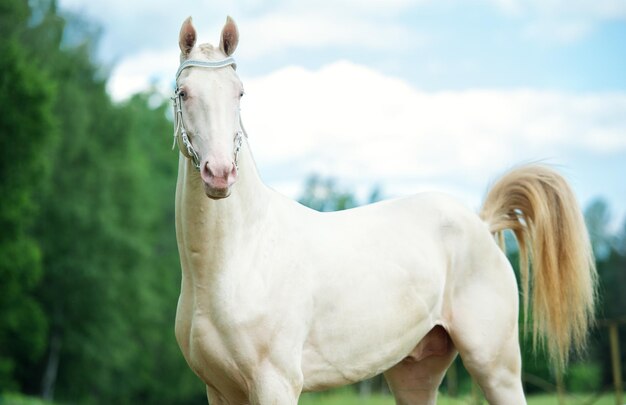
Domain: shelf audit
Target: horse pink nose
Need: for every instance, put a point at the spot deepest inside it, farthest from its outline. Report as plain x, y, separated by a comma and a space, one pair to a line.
219, 176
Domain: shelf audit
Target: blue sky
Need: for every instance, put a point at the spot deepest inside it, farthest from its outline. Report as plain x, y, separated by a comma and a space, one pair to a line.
408, 95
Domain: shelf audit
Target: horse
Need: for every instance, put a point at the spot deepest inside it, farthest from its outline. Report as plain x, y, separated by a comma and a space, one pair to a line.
278, 299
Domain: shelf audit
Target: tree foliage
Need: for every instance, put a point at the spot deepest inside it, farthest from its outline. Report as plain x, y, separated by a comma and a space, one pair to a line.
88, 263
27, 130
324, 194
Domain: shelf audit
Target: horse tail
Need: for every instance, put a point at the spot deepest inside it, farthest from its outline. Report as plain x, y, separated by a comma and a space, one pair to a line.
539, 207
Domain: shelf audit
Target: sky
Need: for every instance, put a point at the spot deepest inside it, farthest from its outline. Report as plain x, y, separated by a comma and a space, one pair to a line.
404, 95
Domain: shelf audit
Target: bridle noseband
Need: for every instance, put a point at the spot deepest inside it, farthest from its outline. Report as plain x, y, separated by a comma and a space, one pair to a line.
179, 125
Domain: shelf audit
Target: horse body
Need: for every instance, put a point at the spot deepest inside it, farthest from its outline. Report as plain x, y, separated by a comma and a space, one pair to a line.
316, 290
277, 299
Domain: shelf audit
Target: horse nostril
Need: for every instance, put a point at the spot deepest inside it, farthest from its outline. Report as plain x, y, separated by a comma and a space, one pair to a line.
207, 169
206, 172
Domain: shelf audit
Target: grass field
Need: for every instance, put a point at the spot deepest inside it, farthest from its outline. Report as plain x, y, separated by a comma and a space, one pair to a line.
348, 398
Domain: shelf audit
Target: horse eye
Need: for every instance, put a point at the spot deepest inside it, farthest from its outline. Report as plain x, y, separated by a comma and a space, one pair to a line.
182, 94
241, 93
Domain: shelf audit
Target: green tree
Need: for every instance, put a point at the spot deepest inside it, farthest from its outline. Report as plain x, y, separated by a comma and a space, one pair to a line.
324, 194
597, 219
102, 258
27, 130
610, 251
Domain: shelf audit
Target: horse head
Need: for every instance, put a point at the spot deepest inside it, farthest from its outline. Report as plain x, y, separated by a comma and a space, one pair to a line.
208, 93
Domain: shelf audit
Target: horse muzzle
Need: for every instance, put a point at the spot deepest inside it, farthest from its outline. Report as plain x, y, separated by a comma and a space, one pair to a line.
218, 177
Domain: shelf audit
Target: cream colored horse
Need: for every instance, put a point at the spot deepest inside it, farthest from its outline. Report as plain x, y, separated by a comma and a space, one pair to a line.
277, 299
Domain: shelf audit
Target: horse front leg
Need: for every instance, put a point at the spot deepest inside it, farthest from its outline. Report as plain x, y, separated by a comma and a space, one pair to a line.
273, 387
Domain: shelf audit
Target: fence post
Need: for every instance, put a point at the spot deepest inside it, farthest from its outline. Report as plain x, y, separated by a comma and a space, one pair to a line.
616, 361
560, 387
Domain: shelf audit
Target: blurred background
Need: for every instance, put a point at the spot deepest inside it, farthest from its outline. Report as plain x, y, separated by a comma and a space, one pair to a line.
345, 104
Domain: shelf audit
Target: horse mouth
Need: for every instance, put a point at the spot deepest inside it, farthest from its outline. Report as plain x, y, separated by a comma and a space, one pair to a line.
216, 193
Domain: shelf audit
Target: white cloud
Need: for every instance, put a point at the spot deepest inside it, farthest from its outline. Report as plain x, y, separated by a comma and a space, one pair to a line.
351, 122
264, 35
356, 124
143, 70
282, 31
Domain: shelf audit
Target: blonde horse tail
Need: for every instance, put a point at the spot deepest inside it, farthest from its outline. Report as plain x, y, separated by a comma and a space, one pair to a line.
539, 207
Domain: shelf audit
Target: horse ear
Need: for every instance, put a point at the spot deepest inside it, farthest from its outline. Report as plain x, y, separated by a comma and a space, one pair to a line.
187, 37
230, 37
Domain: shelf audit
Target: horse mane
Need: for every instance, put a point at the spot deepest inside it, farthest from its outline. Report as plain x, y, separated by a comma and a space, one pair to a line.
208, 50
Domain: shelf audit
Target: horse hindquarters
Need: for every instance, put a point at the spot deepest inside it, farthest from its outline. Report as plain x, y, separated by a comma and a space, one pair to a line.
479, 319
482, 327
483, 322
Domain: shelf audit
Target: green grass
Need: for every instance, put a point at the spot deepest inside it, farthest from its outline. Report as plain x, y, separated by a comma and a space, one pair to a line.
20, 399
572, 399
349, 398
342, 397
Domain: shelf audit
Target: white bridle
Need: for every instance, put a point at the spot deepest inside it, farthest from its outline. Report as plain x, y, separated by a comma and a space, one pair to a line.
179, 125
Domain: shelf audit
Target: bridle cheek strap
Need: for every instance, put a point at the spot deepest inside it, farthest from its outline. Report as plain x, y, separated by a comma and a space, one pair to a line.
184, 144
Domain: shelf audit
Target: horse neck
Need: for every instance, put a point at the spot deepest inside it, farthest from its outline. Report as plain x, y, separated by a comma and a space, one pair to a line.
216, 228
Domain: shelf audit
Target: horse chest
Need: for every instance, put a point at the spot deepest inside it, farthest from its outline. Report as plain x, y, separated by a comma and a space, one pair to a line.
213, 359
221, 346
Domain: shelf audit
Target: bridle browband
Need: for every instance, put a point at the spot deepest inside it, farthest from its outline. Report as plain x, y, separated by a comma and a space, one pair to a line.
179, 125
209, 64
